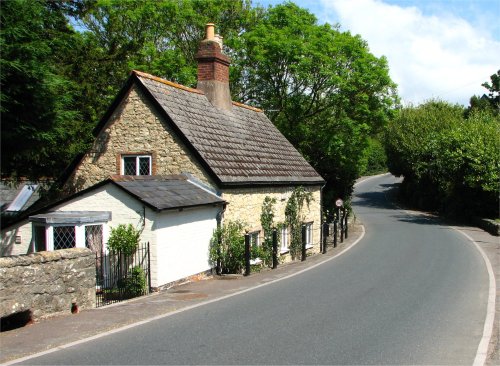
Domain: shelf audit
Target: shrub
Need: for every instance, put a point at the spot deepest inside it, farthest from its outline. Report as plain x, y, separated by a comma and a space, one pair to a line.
449, 163
228, 247
125, 239
134, 284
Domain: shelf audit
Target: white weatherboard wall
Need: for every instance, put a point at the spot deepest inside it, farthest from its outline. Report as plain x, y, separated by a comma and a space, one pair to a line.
183, 239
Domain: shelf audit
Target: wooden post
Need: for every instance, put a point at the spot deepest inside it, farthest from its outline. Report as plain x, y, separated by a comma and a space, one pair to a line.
247, 255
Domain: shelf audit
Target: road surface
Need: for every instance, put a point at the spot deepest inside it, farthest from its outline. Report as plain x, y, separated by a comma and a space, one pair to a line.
413, 291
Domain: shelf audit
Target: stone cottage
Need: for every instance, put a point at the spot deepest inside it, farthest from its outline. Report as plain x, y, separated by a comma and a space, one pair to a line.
157, 127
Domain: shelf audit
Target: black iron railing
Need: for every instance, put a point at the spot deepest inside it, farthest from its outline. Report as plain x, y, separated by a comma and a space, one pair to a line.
120, 277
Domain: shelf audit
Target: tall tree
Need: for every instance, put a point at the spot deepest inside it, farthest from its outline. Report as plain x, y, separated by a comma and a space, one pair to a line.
322, 88
39, 122
160, 37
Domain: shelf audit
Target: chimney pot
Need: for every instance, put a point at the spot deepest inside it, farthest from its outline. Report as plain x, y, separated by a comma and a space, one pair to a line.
210, 31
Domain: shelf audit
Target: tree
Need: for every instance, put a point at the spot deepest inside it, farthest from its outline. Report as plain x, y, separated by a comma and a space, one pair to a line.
449, 163
120, 36
494, 91
321, 87
487, 102
39, 123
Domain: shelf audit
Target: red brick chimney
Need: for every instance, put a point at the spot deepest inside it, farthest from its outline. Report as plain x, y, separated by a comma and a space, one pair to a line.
213, 70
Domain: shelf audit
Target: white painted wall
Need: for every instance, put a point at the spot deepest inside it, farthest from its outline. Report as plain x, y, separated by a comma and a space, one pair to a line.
183, 239
179, 240
124, 210
23, 233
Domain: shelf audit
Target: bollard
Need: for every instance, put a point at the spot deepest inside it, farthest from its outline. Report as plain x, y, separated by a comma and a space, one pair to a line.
275, 248
346, 223
247, 255
342, 226
303, 243
325, 235
335, 230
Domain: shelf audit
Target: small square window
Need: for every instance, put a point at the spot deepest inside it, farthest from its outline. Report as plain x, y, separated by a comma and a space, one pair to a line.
136, 165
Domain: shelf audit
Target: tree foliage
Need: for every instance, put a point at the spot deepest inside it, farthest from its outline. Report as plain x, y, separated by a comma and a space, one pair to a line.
449, 163
41, 130
320, 86
227, 247
268, 225
490, 101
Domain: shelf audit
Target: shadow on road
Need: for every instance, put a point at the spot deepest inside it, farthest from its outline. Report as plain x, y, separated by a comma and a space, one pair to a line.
379, 199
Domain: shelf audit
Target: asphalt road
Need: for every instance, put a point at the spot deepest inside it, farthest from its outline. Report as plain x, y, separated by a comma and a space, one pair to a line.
412, 291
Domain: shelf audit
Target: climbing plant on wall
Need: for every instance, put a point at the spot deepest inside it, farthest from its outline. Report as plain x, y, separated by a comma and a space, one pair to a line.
294, 217
267, 224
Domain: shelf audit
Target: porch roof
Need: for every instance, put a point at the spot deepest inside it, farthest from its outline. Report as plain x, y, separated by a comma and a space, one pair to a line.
72, 217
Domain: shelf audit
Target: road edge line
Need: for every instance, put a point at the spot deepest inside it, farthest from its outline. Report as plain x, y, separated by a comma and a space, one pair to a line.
194, 306
482, 349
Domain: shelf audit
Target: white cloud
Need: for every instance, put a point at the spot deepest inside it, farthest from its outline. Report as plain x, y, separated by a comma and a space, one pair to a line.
430, 56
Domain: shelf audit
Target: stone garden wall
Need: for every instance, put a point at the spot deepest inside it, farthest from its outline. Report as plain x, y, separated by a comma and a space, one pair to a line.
47, 283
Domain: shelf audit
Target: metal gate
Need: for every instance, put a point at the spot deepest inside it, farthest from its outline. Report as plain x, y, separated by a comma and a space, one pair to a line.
120, 277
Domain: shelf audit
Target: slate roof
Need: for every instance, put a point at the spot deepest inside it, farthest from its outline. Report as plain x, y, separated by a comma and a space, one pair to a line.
166, 192
157, 192
238, 147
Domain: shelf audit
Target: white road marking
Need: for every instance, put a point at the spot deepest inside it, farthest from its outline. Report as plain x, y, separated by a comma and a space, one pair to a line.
162, 316
482, 349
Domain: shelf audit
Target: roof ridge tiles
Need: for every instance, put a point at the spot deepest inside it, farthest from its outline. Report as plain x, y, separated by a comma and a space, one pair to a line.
166, 82
188, 89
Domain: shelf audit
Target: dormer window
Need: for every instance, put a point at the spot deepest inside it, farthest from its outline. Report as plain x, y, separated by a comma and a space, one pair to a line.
136, 165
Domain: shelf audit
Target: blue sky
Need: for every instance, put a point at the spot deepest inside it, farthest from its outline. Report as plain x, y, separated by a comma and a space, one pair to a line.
435, 48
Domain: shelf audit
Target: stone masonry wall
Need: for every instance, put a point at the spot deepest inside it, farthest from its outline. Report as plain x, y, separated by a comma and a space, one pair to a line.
135, 128
246, 205
47, 283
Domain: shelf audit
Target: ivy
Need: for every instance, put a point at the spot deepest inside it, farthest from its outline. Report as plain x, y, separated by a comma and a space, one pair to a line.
294, 218
267, 224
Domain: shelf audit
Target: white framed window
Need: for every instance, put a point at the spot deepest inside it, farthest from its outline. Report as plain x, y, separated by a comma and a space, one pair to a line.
70, 229
254, 243
136, 165
56, 237
94, 237
254, 239
284, 240
309, 235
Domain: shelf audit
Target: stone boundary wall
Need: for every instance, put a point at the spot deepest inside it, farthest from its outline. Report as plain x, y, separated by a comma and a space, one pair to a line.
47, 283
491, 226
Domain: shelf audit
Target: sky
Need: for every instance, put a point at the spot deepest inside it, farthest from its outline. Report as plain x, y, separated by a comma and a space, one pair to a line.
441, 49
